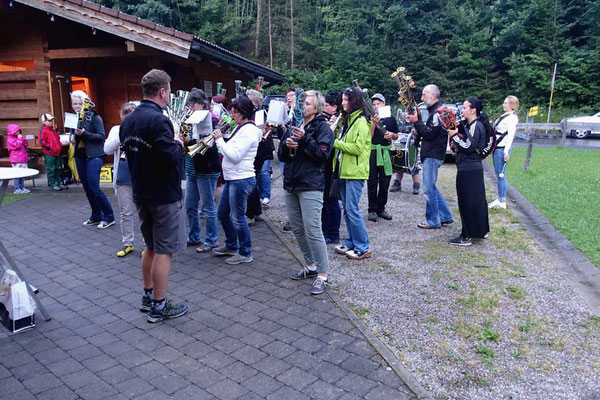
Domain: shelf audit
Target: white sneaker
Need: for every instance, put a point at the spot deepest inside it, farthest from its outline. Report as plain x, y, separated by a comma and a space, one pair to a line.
502, 204
17, 191
25, 190
265, 201
494, 204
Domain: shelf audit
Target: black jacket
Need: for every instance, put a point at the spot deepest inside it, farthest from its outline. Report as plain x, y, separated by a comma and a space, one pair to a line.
93, 138
433, 136
306, 170
155, 158
468, 144
390, 125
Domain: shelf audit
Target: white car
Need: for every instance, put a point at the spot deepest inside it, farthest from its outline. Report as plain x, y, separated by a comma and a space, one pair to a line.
583, 133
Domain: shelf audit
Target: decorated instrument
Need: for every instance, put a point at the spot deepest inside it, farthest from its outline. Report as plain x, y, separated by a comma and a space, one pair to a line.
239, 89
367, 98
179, 111
298, 113
405, 87
86, 113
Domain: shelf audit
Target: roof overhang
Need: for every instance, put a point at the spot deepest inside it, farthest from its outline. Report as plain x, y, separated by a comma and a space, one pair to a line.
117, 23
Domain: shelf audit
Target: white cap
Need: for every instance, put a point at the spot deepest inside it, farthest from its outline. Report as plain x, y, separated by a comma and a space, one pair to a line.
46, 117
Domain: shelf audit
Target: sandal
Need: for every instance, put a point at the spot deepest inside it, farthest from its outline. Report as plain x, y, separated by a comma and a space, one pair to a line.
424, 225
204, 249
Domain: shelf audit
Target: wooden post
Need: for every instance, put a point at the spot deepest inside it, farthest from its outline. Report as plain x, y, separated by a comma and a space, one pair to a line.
563, 137
530, 136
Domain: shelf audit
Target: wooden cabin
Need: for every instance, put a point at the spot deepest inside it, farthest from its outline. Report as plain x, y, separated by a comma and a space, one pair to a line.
49, 48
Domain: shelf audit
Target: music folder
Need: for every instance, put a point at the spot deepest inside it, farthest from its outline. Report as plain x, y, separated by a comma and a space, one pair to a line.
202, 123
277, 114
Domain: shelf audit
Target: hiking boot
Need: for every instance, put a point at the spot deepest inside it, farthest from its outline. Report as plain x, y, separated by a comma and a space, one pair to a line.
169, 311
359, 255
91, 222
396, 186
461, 241
106, 224
385, 215
224, 251
239, 259
342, 249
124, 251
372, 217
146, 304
304, 273
319, 285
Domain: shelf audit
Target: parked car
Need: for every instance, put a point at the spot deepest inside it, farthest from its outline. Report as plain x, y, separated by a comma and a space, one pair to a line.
594, 129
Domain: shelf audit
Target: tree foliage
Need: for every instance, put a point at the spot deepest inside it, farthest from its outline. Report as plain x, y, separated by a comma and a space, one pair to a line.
484, 48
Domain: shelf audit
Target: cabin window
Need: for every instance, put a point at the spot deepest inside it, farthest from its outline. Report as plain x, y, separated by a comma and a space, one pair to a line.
12, 66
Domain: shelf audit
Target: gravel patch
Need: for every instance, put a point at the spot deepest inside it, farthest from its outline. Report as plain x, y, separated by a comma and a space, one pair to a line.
494, 320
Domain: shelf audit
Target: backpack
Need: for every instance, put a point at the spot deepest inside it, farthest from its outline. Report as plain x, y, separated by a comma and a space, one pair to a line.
489, 144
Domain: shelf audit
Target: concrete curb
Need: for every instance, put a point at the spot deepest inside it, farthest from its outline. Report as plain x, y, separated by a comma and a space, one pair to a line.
409, 380
579, 270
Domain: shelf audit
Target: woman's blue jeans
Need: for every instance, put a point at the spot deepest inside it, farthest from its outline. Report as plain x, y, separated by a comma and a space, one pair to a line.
201, 190
499, 167
264, 180
350, 192
89, 174
232, 214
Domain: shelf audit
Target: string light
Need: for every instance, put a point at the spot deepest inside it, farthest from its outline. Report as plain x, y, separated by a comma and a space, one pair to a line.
10, 4
52, 18
94, 31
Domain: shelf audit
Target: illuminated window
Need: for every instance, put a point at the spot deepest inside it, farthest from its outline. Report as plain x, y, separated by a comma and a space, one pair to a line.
11, 66
81, 83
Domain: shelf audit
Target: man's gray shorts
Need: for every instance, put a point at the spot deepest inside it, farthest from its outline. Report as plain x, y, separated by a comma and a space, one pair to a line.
163, 227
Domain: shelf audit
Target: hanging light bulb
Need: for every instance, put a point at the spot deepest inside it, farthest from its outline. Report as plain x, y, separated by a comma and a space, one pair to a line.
94, 31
10, 4
52, 18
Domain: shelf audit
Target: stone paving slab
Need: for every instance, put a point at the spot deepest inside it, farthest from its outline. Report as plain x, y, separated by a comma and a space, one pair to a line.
251, 332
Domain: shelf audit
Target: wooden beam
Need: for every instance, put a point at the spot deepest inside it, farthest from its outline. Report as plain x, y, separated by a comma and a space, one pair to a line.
24, 94
87, 52
22, 76
20, 113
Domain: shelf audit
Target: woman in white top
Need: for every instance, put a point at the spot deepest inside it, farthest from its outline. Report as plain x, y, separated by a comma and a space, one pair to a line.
122, 182
240, 179
505, 127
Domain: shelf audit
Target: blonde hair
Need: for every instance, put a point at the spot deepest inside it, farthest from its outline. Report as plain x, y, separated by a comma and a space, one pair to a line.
319, 99
513, 102
255, 97
79, 94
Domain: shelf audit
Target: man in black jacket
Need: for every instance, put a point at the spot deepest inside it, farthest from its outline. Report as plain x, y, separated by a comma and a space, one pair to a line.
434, 139
155, 158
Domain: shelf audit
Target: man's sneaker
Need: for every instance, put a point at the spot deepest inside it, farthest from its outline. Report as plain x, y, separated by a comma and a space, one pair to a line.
91, 222
239, 259
146, 304
396, 186
372, 217
224, 251
265, 201
461, 241
416, 188
342, 249
169, 311
304, 273
124, 251
319, 285
287, 227
106, 224
385, 215
359, 255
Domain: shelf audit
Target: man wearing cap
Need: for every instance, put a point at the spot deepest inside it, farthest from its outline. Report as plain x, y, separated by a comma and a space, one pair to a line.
51, 146
380, 163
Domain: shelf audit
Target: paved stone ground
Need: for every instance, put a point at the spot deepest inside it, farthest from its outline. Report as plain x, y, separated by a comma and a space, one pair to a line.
251, 332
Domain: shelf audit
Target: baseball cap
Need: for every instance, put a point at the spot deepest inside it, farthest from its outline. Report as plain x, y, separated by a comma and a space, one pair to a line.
378, 96
46, 117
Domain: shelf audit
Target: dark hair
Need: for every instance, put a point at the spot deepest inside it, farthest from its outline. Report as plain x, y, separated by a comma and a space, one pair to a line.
153, 81
244, 106
197, 96
355, 98
476, 104
334, 98
290, 89
127, 108
220, 99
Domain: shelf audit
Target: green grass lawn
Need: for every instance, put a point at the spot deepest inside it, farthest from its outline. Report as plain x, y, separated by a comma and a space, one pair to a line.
10, 197
564, 184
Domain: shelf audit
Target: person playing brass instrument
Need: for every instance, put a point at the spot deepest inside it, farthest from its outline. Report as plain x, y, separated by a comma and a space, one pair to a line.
202, 172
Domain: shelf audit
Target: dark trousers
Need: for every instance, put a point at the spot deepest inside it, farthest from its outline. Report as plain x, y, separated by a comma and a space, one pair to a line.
377, 185
331, 215
254, 208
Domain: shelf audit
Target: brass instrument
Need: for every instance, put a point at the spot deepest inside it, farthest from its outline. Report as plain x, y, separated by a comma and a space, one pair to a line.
84, 115
405, 86
205, 143
220, 89
297, 113
367, 98
179, 111
336, 123
239, 89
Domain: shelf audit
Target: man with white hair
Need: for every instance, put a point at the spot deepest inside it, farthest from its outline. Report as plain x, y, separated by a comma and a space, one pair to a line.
434, 139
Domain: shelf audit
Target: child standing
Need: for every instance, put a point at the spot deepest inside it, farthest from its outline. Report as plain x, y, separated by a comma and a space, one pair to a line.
17, 148
51, 146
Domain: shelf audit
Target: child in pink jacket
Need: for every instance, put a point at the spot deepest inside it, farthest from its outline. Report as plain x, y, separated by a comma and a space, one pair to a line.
17, 148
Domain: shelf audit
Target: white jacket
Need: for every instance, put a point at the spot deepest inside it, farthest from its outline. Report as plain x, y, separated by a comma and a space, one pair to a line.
508, 125
239, 152
112, 144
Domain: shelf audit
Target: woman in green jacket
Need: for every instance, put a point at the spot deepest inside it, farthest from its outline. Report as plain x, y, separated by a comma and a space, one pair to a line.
351, 165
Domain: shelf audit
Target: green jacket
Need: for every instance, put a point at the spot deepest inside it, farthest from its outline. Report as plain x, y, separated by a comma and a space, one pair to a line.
355, 148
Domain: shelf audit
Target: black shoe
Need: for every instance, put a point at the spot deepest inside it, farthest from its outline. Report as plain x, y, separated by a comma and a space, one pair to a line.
287, 227
169, 311
304, 273
416, 188
146, 304
396, 186
372, 217
191, 243
319, 286
461, 241
385, 215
